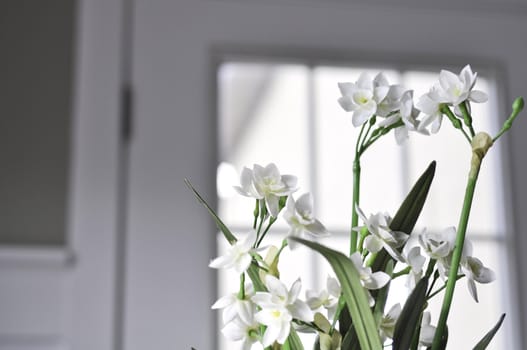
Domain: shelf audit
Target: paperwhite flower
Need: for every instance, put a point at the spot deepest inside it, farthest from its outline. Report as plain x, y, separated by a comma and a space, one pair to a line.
234, 307
362, 98
245, 330
299, 216
426, 337
392, 101
387, 326
456, 89
370, 280
430, 105
266, 183
278, 308
416, 261
408, 115
438, 245
474, 271
327, 298
381, 236
238, 255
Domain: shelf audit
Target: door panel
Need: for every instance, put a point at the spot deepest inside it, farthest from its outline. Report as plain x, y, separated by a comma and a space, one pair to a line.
62, 294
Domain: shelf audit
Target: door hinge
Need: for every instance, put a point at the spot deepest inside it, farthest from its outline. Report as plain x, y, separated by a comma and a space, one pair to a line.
127, 101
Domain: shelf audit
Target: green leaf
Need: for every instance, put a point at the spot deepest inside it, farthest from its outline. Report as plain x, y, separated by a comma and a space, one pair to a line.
382, 295
410, 319
350, 341
406, 217
253, 269
488, 337
293, 342
258, 285
345, 322
223, 228
353, 293
442, 343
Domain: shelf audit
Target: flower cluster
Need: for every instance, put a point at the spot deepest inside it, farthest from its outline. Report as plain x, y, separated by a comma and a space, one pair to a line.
265, 311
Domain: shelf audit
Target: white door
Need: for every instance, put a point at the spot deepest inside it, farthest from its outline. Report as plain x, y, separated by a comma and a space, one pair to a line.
177, 46
62, 294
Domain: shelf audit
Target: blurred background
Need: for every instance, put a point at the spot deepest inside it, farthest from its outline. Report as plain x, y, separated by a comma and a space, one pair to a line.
106, 106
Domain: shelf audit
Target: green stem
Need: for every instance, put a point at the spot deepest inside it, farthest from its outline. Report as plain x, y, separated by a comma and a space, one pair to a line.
517, 107
355, 203
403, 272
241, 293
458, 249
431, 295
467, 117
455, 122
271, 222
256, 212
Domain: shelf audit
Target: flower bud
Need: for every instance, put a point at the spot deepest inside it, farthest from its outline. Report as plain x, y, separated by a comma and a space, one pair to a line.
518, 104
480, 145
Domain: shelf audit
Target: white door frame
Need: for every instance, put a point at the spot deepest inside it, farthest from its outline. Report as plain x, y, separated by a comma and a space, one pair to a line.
93, 319
67, 298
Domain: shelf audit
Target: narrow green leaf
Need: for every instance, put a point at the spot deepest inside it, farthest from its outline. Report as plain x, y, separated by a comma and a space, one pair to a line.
484, 342
223, 228
382, 295
408, 213
406, 217
410, 317
444, 341
293, 342
345, 322
253, 269
350, 341
353, 293
258, 285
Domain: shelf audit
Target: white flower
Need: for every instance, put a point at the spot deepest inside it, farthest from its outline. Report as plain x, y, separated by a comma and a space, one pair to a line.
456, 89
246, 330
238, 255
381, 236
368, 279
426, 337
278, 308
266, 183
362, 98
327, 298
391, 103
299, 216
234, 307
474, 271
387, 326
452, 89
430, 105
438, 245
408, 115
416, 261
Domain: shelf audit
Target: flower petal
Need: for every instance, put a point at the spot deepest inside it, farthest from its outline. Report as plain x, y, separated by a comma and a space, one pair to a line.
478, 96
377, 280
373, 244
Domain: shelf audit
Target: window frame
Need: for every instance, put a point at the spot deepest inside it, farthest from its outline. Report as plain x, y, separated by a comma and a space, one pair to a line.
401, 65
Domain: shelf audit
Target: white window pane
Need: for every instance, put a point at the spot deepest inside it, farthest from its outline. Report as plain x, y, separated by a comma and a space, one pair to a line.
469, 321
381, 176
262, 119
453, 153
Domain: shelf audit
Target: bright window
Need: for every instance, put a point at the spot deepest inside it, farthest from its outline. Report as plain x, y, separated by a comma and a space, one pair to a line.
287, 113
